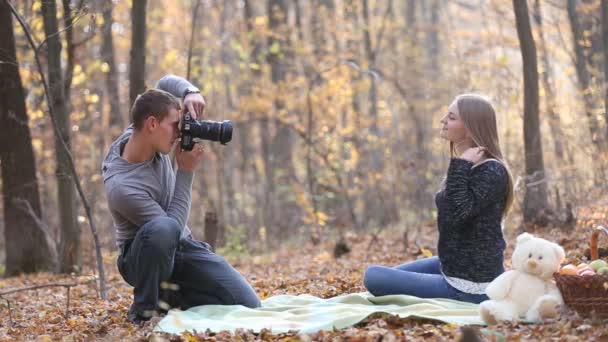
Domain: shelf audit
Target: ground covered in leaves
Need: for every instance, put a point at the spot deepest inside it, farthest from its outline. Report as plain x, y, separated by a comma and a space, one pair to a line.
294, 269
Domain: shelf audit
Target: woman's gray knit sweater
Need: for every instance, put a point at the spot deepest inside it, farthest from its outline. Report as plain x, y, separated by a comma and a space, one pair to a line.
470, 211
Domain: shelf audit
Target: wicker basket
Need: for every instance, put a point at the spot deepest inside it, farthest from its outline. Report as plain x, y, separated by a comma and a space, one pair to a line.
587, 295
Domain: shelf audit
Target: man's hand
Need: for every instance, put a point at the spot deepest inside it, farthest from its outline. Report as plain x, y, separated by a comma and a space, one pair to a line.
189, 160
194, 103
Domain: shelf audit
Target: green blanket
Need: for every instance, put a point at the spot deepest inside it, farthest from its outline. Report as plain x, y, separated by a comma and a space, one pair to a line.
308, 314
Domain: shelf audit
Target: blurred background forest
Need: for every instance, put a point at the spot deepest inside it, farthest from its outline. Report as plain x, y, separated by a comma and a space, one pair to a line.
336, 106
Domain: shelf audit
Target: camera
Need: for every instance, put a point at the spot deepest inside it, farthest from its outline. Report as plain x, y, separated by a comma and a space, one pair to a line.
205, 129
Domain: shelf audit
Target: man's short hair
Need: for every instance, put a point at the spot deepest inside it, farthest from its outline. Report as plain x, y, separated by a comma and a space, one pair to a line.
153, 102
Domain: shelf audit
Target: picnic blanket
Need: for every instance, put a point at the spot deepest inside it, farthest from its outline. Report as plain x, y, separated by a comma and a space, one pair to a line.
309, 314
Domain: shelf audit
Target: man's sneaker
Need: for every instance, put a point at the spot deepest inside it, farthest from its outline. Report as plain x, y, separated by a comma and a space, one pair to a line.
137, 318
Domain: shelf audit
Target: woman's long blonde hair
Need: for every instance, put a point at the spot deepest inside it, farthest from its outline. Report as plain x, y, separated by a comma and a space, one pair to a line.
479, 118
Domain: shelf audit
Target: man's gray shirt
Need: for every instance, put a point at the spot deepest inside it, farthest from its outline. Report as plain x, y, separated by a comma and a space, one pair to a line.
140, 192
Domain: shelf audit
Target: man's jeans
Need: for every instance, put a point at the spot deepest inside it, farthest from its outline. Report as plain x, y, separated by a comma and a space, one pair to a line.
421, 278
157, 255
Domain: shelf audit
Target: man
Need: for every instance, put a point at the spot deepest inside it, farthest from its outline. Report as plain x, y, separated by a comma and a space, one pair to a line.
150, 204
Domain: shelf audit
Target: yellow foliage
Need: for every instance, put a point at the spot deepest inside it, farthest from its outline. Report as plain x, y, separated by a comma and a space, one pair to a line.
93, 98
78, 78
169, 59
300, 197
322, 218
426, 252
36, 114
37, 144
37, 24
275, 48
261, 21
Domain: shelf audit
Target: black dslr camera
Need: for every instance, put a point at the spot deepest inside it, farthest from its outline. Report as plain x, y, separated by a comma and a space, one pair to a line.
205, 129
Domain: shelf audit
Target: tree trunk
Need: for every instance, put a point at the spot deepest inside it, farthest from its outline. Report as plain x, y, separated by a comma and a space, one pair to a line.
376, 206
117, 120
432, 40
417, 110
582, 72
370, 55
605, 53
226, 158
281, 145
535, 197
554, 119
373, 205
193, 28
410, 17
70, 49
69, 248
211, 228
319, 30
29, 247
137, 69
249, 172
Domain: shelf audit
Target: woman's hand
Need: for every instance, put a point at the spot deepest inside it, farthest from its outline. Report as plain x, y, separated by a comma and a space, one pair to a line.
474, 154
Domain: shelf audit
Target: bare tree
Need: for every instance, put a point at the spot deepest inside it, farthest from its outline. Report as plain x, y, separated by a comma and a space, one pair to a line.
319, 29
193, 28
29, 247
583, 74
605, 53
432, 38
225, 204
69, 247
137, 69
554, 119
249, 173
375, 206
107, 54
68, 21
280, 149
535, 197
371, 55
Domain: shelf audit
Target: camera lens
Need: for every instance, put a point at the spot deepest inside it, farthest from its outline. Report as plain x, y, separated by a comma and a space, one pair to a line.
211, 130
225, 132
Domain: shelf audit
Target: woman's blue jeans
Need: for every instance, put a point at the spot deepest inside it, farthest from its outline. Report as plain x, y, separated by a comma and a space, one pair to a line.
421, 278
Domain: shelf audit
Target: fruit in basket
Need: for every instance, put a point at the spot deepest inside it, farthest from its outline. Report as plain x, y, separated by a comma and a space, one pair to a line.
581, 265
585, 269
569, 269
603, 271
587, 273
597, 264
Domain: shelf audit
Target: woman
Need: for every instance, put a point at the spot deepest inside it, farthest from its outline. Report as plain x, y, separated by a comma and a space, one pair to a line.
472, 203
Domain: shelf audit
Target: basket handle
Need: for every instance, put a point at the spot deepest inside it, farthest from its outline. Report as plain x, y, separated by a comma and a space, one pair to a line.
594, 236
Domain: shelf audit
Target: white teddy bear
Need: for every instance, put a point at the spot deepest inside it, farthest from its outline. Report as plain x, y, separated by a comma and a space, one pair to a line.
528, 289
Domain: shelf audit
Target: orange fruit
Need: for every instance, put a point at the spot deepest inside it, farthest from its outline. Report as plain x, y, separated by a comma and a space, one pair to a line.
569, 269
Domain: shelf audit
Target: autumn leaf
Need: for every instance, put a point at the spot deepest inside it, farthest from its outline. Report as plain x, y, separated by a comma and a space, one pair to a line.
427, 253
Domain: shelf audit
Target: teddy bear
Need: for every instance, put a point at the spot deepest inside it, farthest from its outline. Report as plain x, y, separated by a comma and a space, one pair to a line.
528, 290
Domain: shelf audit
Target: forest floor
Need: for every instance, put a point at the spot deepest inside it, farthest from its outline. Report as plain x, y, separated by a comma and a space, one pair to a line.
40, 314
